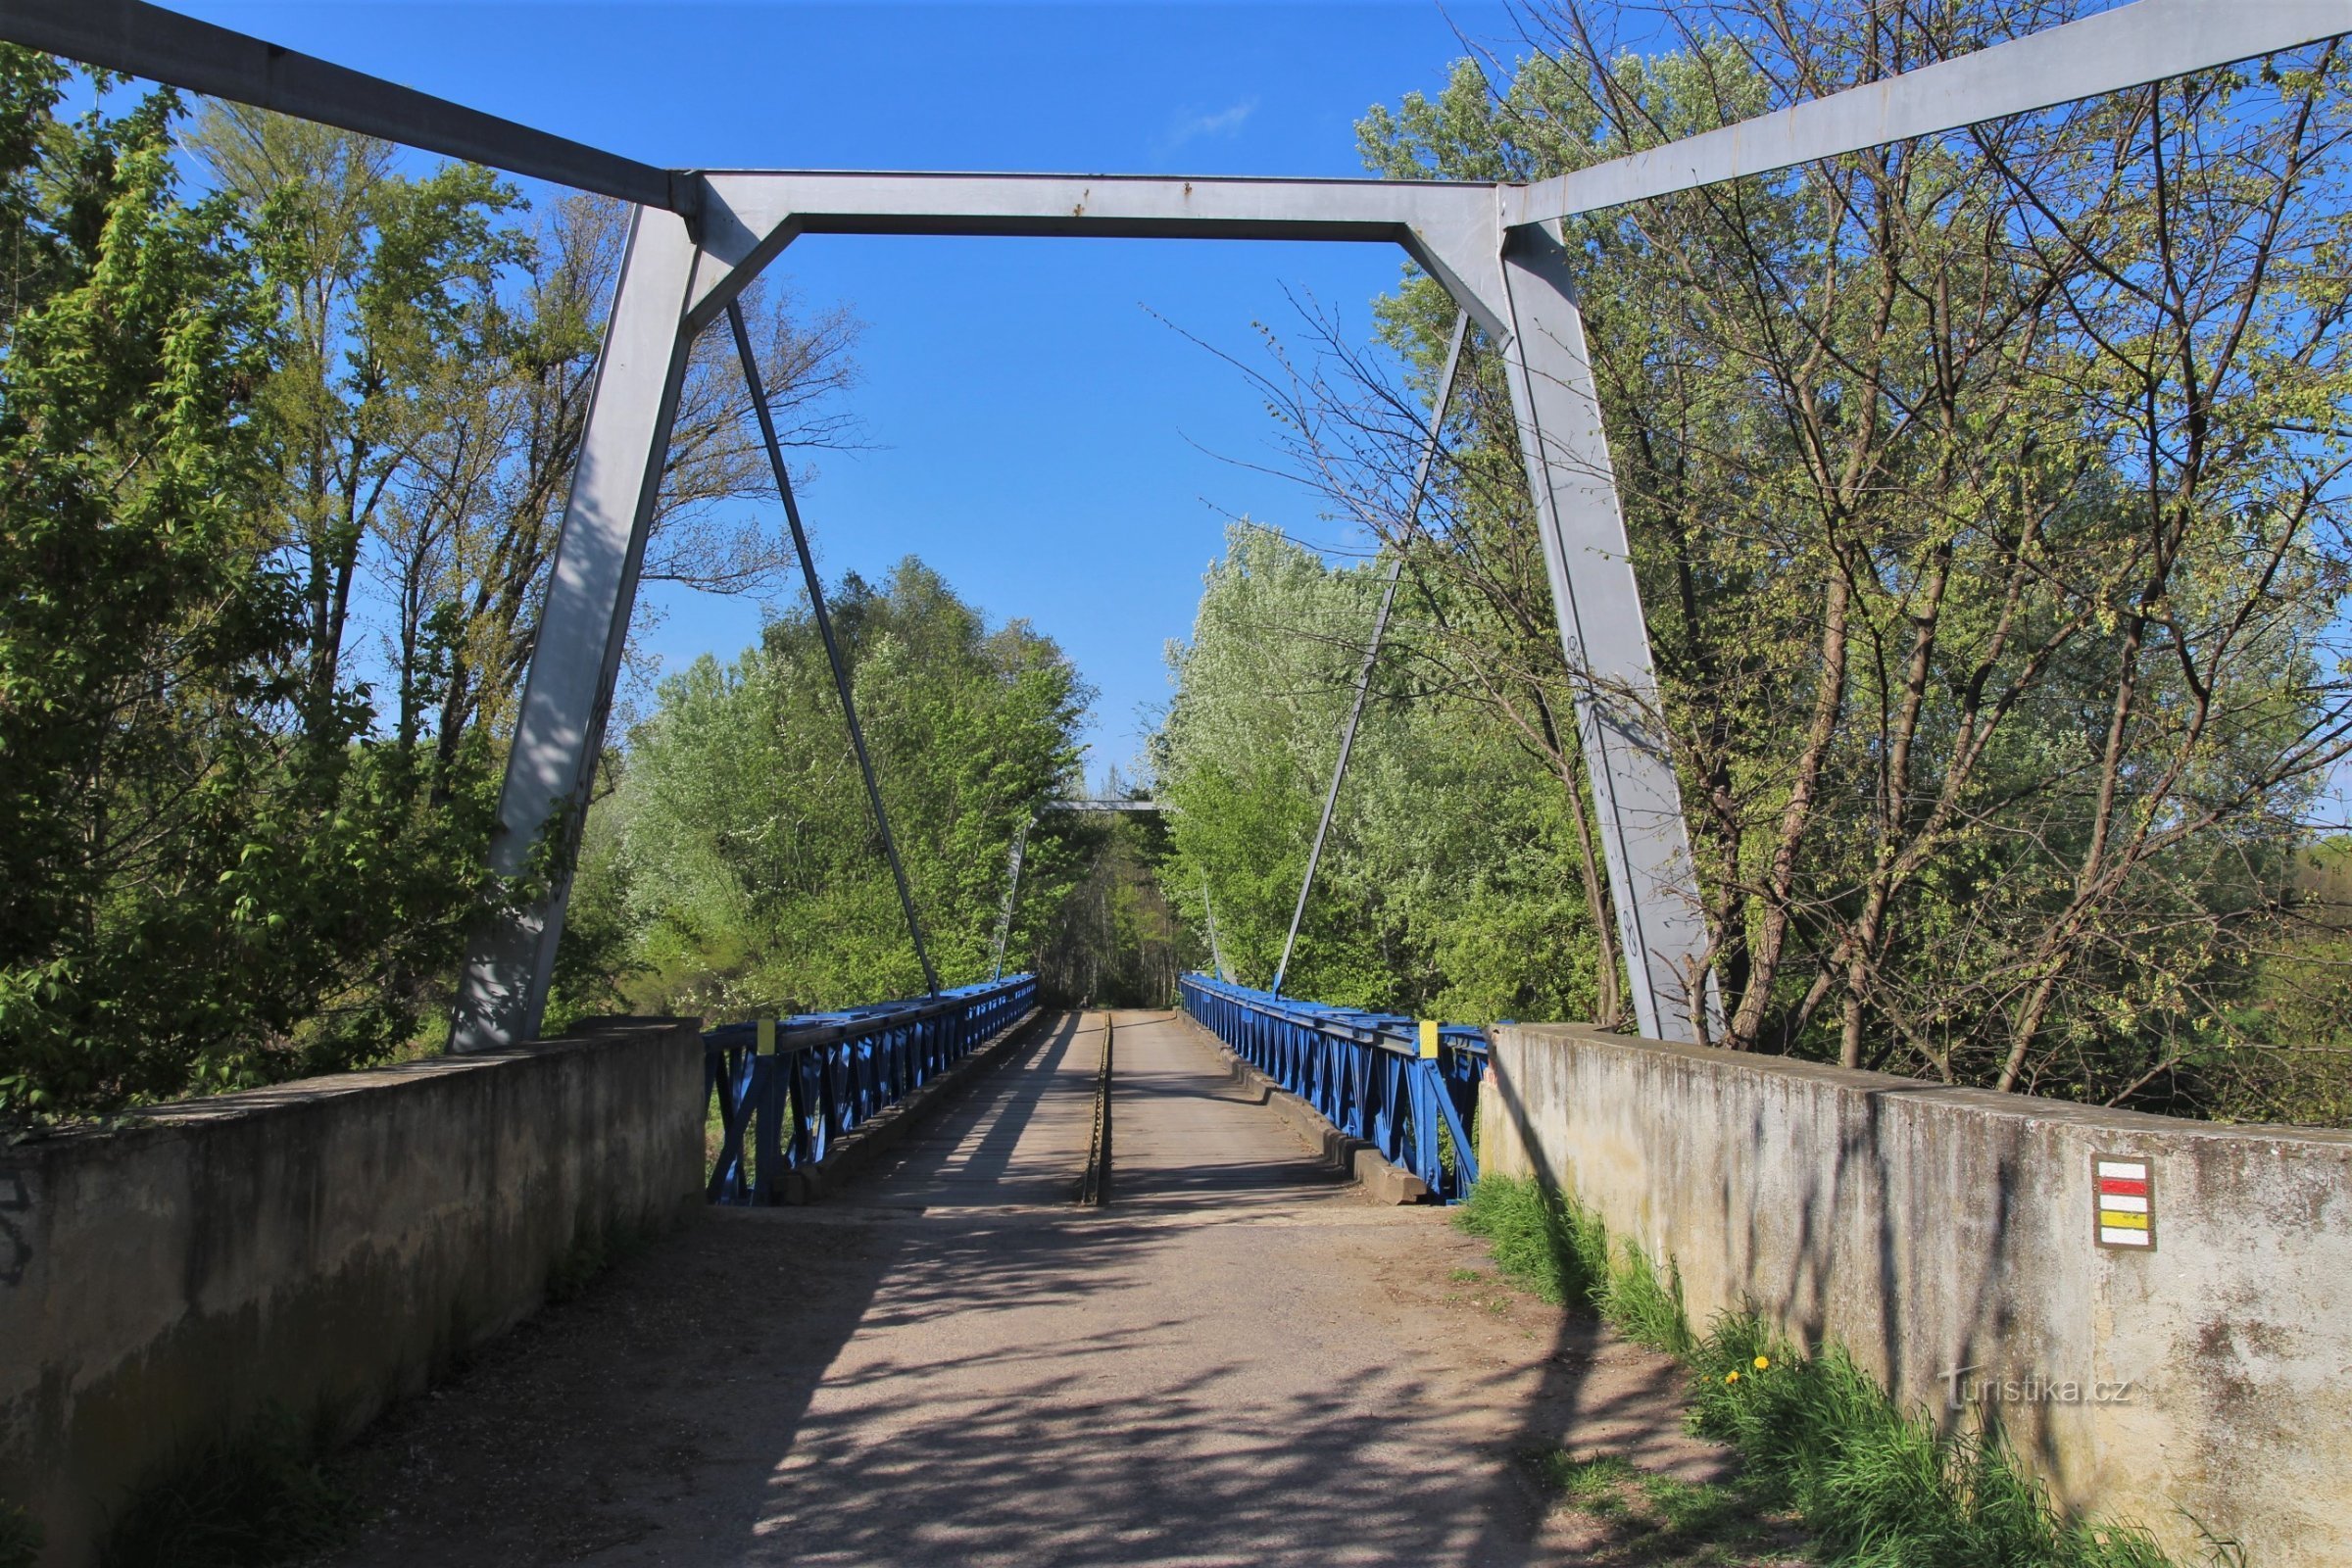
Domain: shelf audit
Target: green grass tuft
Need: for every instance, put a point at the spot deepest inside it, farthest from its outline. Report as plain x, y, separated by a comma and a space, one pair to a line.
19, 1537
1591, 1483
1561, 1252
1551, 1247
1880, 1486
256, 1501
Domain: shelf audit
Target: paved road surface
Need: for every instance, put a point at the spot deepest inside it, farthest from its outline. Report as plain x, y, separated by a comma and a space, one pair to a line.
1237, 1361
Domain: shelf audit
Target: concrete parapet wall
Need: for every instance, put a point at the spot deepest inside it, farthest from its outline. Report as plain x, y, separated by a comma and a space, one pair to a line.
2205, 1381
320, 1248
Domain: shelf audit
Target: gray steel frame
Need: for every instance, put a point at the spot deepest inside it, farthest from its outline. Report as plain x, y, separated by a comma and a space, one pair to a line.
700, 236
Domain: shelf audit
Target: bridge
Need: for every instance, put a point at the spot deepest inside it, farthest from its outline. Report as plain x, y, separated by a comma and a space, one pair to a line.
1227, 1356
955, 1278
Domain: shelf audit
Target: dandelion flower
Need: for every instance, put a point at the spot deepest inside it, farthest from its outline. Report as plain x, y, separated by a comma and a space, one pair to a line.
1731, 1377
1763, 1362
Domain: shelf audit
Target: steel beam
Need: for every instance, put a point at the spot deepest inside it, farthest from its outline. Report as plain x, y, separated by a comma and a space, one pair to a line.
1484, 243
144, 40
1012, 891
1599, 607
1449, 229
583, 627
2130, 46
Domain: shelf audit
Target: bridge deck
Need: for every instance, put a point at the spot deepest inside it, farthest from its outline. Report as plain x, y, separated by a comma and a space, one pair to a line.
1235, 1361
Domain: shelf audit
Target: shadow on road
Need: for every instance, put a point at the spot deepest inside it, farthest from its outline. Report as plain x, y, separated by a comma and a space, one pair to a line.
1232, 1363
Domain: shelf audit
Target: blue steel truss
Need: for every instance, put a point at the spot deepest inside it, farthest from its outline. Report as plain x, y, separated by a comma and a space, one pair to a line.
824, 1073
1363, 1073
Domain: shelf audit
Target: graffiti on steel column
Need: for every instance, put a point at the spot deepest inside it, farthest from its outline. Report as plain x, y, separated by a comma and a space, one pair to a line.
16, 1253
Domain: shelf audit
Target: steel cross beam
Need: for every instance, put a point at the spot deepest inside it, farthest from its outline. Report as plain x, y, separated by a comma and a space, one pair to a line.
1450, 228
2131, 46
1020, 848
700, 237
144, 40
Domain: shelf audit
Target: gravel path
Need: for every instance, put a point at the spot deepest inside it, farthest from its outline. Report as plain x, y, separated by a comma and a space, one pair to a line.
1235, 1361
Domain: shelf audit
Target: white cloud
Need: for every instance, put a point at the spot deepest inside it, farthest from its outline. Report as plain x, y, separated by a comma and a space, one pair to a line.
1226, 122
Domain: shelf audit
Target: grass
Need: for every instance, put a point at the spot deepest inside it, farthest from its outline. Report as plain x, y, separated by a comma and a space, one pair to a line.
1561, 1252
1593, 1484
259, 1500
19, 1537
1658, 1521
1880, 1487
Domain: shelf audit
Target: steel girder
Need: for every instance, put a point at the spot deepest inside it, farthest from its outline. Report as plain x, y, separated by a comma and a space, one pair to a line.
701, 235
145, 40
583, 628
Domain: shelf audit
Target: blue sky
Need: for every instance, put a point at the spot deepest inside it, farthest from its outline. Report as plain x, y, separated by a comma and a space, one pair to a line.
1038, 433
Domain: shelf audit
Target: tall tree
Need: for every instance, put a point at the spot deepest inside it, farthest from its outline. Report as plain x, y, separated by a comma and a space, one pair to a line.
431, 398
1988, 497
736, 863
176, 781
1452, 881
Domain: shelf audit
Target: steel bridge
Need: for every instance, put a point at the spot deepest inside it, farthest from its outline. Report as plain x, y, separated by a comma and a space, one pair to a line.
701, 235
798, 1106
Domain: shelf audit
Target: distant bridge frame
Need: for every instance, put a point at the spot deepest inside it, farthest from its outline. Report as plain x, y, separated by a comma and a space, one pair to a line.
700, 236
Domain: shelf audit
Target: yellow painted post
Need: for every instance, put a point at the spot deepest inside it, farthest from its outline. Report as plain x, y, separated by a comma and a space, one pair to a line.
1429, 1039
767, 1037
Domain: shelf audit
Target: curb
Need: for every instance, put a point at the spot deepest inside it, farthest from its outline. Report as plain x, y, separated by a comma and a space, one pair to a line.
1382, 1182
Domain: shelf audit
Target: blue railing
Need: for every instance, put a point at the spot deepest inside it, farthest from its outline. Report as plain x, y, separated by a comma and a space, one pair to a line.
1364, 1072
794, 1086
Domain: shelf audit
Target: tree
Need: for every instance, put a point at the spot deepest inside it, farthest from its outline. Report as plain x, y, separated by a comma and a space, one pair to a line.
176, 782
1987, 493
432, 392
266, 447
1452, 882
736, 864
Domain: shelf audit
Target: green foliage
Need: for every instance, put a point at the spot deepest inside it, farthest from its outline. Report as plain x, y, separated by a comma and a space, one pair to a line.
19, 1537
1591, 1483
256, 1501
1880, 1486
211, 873
1115, 940
1558, 1248
1450, 885
738, 854
1661, 1522
1989, 503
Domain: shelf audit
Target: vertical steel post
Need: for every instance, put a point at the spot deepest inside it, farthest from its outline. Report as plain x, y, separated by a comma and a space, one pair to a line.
1380, 629
1598, 606
584, 626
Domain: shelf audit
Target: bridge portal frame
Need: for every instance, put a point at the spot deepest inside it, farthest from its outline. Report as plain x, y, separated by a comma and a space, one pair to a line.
679, 276
700, 237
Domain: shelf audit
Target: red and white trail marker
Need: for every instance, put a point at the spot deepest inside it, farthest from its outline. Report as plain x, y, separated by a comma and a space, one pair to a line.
2124, 1194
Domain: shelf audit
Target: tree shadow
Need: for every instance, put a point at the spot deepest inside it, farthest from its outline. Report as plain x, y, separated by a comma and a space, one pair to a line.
1213, 1369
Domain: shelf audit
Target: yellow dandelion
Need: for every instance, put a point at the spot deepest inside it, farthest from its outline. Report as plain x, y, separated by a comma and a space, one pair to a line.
1731, 1377
1763, 1362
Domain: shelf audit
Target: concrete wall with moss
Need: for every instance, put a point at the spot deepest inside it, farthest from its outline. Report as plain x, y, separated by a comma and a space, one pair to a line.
2200, 1386
318, 1249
